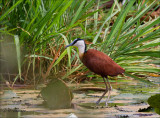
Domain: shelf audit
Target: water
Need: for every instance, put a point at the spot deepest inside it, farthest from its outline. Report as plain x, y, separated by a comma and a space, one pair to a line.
127, 98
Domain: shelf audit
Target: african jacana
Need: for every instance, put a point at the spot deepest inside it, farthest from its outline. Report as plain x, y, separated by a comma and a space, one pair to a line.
99, 63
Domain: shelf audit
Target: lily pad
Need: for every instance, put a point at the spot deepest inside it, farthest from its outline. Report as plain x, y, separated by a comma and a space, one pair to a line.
154, 101
57, 95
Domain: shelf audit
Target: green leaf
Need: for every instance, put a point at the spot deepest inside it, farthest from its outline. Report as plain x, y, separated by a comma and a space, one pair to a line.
108, 17
146, 53
137, 78
118, 22
60, 57
39, 56
142, 69
147, 46
71, 71
128, 43
78, 12
10, 10
68, 50
138, 16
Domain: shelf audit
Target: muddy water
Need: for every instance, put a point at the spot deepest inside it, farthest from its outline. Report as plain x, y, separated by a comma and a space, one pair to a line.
127, 98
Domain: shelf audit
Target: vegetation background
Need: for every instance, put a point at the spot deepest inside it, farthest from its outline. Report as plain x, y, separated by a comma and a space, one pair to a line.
33, 34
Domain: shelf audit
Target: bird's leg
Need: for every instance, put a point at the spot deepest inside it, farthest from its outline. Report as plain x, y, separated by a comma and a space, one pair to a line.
104, 92
109, 91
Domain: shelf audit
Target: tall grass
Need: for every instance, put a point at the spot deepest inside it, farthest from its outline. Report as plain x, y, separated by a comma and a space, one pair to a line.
45, 27
132, 42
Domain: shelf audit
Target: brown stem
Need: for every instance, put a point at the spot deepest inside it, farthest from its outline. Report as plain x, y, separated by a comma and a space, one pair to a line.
50, 67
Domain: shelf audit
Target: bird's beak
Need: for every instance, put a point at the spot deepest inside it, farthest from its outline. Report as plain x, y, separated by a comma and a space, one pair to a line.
69, 45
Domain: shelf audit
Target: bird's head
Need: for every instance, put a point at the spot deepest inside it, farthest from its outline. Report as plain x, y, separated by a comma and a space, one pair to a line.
80, 43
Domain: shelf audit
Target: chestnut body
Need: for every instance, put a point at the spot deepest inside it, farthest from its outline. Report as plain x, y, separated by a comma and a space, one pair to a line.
101, 64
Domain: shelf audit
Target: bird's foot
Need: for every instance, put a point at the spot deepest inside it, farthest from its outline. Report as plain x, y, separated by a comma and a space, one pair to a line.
99, 106
97, 103
106, 104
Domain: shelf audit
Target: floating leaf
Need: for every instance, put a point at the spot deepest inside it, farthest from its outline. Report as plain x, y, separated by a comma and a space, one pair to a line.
57, 95
154, 101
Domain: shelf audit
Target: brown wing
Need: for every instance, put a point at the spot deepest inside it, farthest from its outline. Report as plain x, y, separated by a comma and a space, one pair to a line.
101, 64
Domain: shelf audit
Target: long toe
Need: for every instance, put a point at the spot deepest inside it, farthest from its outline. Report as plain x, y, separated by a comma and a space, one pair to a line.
106, 103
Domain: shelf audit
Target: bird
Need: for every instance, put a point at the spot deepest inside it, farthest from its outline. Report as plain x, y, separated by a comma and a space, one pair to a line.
99, 63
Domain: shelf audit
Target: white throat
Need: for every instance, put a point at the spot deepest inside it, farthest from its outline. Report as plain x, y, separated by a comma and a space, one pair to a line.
81, 47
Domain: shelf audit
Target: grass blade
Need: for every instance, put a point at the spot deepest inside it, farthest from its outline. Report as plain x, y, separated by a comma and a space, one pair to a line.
146, 53
60, 58
10, 9
16, 39
118, 23
139, 79
78, 12
72, 70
